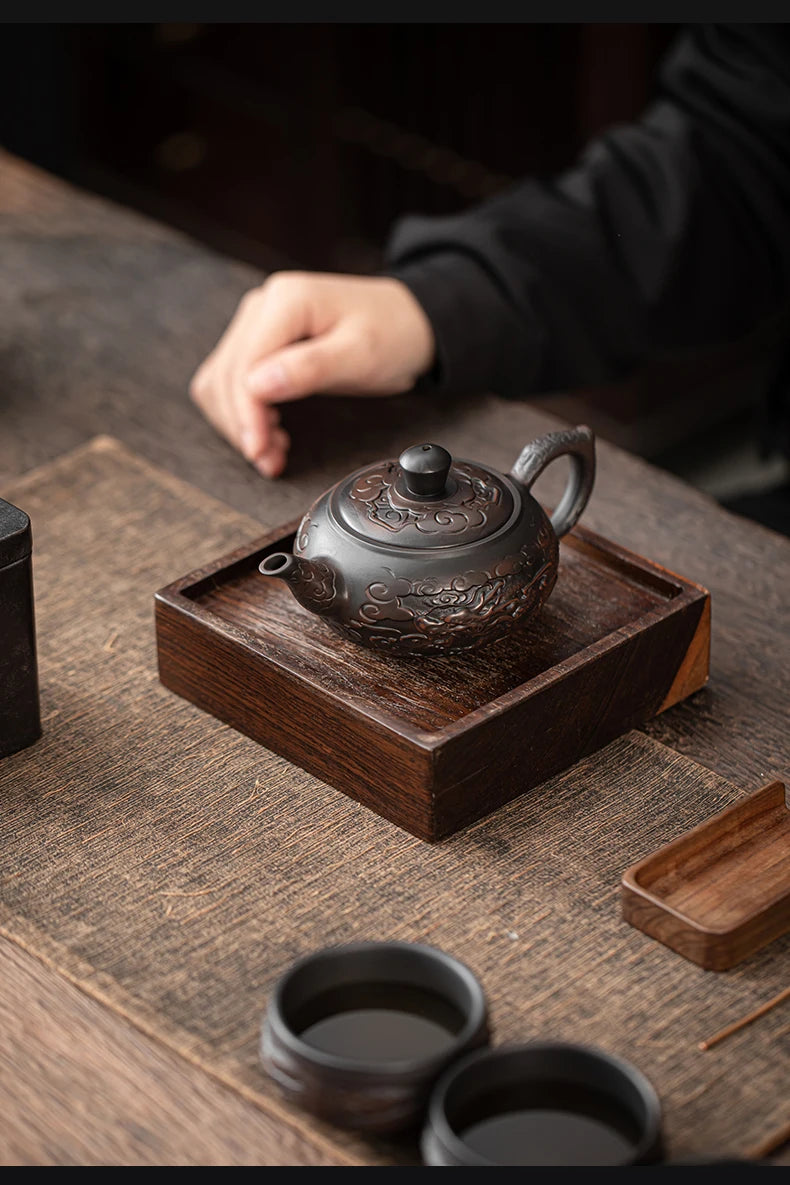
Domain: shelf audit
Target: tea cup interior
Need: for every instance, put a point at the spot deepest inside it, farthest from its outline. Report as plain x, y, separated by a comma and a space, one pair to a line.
547, 1104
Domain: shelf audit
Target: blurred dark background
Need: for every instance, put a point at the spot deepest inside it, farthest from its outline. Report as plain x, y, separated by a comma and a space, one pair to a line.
304, 142
300, 144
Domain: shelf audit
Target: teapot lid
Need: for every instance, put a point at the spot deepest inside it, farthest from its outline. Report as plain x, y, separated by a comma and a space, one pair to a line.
424, 499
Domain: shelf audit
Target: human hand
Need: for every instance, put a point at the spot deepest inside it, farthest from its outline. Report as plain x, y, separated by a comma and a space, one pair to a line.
302, 333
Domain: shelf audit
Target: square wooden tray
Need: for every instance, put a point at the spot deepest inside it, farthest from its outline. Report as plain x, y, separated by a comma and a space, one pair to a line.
435, 743
722, 891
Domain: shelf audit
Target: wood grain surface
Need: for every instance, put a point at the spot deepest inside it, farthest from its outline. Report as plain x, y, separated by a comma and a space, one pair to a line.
103, 317
721, 892
81, 1085
617, 639
173, 869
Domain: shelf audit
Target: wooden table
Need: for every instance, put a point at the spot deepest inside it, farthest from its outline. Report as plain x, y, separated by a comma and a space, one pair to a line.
103, 318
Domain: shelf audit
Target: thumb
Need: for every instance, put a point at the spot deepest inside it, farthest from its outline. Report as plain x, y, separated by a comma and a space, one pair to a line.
304, 368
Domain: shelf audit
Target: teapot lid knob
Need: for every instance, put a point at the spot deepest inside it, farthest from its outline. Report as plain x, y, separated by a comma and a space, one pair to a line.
425, 468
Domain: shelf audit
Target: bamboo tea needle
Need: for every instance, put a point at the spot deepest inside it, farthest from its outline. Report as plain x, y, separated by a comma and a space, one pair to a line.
745, 1020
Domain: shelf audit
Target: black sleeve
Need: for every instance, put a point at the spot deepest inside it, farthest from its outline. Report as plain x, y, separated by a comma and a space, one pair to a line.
670, 233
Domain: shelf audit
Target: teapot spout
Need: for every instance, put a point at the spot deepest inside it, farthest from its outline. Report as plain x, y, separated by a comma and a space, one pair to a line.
313, 582
281, 564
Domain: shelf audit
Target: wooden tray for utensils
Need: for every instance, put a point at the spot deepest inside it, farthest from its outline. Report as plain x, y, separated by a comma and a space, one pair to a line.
721, 891
435, 743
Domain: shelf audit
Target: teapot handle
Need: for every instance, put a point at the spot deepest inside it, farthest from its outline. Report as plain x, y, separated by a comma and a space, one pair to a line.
579, 444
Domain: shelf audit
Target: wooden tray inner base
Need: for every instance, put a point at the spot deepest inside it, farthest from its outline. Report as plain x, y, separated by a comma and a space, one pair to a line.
732, 868
598, 592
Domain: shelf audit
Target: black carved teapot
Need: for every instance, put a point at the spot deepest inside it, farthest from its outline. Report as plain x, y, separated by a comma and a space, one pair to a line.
426, 555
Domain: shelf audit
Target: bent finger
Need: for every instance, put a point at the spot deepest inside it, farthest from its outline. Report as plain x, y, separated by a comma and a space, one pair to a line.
327, 363
272, 462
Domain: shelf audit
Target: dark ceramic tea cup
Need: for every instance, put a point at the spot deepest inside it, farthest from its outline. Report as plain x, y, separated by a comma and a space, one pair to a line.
358, 1034
543, 1103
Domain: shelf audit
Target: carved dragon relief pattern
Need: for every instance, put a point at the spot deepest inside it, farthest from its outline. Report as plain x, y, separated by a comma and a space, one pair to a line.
459, 613
314, 583
315, 586
467, 508
302, 539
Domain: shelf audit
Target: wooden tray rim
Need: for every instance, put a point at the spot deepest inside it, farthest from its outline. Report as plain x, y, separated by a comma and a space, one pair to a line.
630, 879
687, 592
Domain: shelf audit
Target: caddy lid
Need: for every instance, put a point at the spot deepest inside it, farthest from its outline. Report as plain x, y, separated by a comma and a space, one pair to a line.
15, 534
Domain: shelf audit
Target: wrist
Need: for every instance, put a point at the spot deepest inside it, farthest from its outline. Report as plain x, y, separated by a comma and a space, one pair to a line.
411, 326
